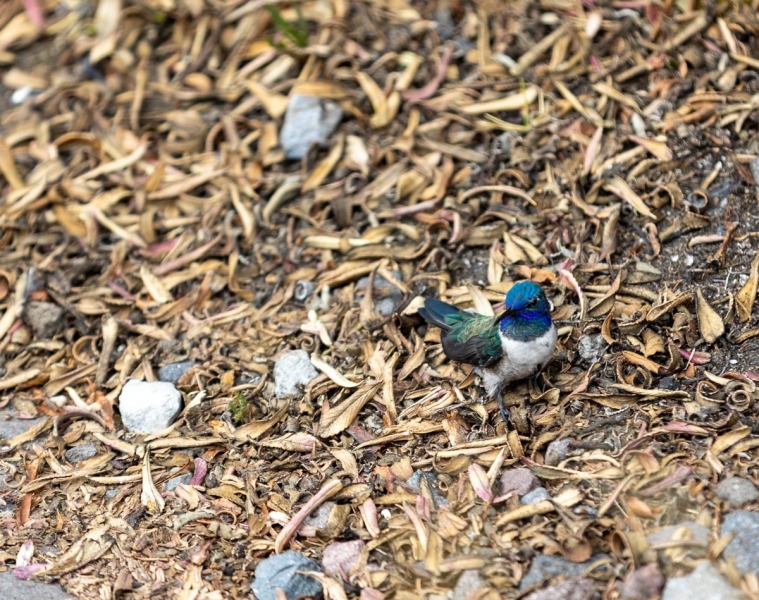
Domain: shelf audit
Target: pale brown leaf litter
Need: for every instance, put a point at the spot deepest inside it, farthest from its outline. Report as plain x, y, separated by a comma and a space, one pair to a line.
149, 215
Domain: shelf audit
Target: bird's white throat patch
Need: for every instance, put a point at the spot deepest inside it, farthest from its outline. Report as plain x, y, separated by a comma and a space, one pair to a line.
520, 360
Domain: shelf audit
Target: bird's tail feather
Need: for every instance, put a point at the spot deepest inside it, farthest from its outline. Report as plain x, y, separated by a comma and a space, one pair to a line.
435, 311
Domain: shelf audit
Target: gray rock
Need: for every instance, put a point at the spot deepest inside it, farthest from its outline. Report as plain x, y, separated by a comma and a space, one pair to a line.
755, 170
339, 558
744, 547
279, 571
11, 425
704, 583
171, 372
737, 491
308, 120
45, 318
591, 347
558, 450
698, 533
386, 296
544, 567
109, 494
81, 453
7, 506
149, 406
469, 582
319, 519
386, 306
518, 481
642, 584
669, 383
13, 588
429, 481
576, 588
172, 483
536, 496
292, 371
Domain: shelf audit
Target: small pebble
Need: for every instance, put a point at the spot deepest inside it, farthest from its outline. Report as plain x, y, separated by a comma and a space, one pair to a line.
468, 583
737, 491
704, 583
172, 483
308, 120
545, 567
518, 481
744, 547
319, 519
11, 425
669, 383
576, 588
172, 372
755, 170
591, 347
280, 572
339, 558
536, 496
81, 453
292, 371
430, 480
13, 588
558, 450
697, 534
149, 406
45, 318
642, 583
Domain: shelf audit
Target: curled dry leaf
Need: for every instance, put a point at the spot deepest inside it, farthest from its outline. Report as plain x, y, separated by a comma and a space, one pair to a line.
744, 299
332, 373
151, 498
709, 322
339, 417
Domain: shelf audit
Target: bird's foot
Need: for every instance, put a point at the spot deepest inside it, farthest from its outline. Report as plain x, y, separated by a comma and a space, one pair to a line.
505, 412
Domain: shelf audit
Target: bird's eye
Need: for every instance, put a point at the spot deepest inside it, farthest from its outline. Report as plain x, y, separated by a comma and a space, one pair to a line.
532, 302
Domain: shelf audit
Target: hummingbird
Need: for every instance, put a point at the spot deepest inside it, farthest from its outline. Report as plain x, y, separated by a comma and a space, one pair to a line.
515, 344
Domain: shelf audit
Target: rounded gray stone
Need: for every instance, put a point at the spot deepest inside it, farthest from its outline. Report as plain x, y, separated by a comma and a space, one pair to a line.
591, 347
280, 571
45, 318
309, 120
171, 372
536, 496
704, 583
744, 547
292, 371
737, 491
13, 588
149, 406
518, 481
81, 453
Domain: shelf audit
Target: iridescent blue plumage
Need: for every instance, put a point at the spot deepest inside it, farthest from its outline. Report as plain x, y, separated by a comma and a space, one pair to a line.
528, 313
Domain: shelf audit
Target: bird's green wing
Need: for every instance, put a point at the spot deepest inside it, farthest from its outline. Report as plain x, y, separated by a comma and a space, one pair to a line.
473, 339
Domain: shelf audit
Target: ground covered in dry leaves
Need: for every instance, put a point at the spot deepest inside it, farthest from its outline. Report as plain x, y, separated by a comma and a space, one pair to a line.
150, 215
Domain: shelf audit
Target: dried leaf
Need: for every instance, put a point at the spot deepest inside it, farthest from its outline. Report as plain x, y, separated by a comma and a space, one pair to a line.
709, 322
339, 417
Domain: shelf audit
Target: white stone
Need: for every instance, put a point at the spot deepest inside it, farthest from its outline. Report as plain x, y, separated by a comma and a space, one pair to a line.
309, 120
704, 583
291, 372
149, 406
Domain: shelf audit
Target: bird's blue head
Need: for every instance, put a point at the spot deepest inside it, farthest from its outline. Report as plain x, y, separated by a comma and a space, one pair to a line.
528, 312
